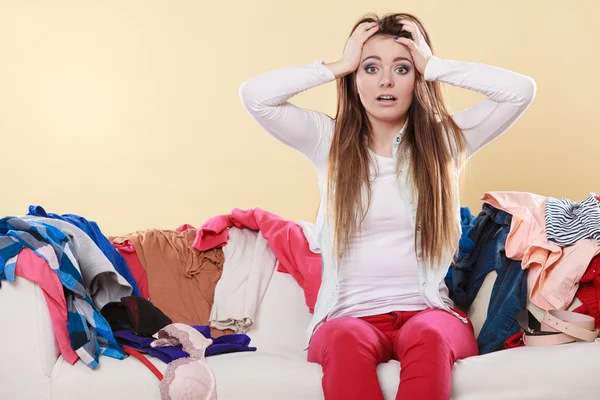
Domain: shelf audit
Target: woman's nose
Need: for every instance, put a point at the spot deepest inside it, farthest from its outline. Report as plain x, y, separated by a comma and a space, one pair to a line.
386, 81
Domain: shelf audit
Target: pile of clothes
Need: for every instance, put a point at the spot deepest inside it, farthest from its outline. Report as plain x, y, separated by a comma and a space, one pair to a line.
545, 251
111, 295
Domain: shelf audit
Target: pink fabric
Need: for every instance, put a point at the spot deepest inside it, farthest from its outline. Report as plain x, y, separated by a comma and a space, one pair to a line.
285, 238
554, 271
213, 233
127, 250
184, 227
34, 268
188, 377
427, 343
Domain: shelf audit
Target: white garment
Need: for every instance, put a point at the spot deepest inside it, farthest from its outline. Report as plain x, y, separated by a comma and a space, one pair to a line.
379, 274
247, 270
266, 98
309, 231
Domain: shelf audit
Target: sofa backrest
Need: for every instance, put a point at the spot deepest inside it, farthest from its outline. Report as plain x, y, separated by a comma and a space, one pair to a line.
282, 319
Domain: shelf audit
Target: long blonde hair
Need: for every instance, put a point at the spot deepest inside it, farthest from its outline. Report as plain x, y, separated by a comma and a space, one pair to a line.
432, 143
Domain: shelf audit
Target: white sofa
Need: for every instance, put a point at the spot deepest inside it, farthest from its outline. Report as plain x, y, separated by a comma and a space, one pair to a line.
31, 367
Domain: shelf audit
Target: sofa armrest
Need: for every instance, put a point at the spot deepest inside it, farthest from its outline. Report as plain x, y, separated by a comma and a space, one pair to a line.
28, 349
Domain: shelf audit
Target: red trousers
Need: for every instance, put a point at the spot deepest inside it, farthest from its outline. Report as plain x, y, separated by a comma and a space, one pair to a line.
425, 342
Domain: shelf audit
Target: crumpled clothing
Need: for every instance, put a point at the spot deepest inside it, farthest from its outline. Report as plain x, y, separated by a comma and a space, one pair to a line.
286, 239
554, 271
233, 343
181, 279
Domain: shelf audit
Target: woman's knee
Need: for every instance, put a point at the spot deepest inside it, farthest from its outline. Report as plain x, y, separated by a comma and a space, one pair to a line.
346, 334
424, 333
434, 335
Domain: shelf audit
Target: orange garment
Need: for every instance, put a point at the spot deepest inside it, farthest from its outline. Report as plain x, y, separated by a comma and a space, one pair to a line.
554, 271
181, 279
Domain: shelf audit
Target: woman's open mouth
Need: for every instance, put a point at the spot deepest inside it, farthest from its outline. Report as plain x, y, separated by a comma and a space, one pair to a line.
387, 100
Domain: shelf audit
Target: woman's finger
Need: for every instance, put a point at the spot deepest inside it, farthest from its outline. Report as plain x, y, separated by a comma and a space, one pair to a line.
407, 42
406, 22
410, 30
369, 33
411, 27
365, 26
408, 26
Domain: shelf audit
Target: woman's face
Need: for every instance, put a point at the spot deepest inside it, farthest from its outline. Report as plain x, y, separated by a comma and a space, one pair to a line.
386, 68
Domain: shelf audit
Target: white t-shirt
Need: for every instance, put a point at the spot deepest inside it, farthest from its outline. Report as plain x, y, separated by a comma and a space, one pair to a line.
379, 273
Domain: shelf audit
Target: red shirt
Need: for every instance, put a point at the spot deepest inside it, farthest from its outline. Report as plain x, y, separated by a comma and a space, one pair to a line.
589, 291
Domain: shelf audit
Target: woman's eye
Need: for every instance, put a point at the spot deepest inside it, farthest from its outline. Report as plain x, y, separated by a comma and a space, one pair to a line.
371, 69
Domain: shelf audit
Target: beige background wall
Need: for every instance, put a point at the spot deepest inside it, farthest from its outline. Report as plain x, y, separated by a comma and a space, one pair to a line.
127, 112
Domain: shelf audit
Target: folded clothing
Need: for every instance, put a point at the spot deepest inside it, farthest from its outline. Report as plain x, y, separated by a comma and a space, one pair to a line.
233, 343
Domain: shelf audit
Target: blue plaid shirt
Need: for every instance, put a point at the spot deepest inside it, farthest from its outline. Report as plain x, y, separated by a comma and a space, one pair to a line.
89, 332
94, 232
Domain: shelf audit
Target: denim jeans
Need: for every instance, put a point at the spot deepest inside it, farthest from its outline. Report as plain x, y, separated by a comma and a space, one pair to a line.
469, 269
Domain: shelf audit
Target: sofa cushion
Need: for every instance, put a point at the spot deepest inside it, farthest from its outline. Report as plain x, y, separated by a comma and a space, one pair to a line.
557, 372
241, 375
566, 371
279, 370
112, 379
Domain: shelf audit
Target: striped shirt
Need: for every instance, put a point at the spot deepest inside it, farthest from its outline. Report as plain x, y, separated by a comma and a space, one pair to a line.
567, 222
90, 333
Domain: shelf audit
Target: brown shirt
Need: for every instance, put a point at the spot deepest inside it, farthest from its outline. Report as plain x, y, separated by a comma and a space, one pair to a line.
181, 279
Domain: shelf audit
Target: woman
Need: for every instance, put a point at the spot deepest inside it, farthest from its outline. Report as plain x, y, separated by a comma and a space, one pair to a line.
389, 218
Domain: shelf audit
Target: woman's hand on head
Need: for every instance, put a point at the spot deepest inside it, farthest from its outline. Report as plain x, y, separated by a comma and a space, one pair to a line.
418, 47
352, 52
